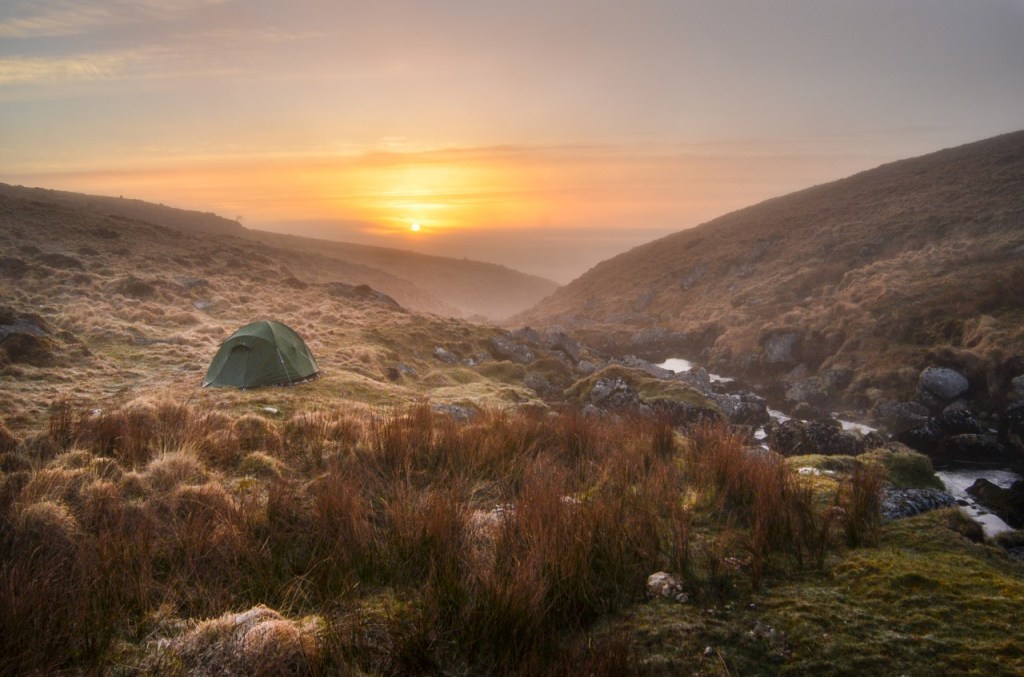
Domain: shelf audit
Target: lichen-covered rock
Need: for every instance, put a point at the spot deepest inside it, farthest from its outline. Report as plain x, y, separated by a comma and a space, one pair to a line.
666, 586
938, 386
799, 438
613, 393
742, 408
445, 355
900, 503
505, 348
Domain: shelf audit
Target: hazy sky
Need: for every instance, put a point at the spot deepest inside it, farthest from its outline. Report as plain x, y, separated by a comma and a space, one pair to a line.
545, 135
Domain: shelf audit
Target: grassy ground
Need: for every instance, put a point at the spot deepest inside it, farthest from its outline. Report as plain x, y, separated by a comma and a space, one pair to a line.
346, 526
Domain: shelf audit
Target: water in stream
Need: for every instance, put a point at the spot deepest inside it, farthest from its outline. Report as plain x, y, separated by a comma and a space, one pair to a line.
956, 481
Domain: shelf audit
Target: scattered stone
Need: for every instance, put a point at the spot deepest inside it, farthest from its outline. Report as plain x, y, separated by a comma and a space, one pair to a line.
666, 586
538, 383
362, 292
445, 355
586, 367
742, 408
504, 348
613, 393
455, 411
772, 638
901, 503
563, 343
527, 335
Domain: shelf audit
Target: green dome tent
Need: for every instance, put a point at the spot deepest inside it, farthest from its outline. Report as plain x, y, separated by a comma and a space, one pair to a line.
261, 354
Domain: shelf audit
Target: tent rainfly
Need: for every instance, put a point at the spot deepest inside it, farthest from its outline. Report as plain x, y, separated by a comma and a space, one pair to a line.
261, 354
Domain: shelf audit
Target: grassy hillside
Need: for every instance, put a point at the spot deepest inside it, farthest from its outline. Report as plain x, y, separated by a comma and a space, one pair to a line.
875, 276
418, 508
458, 287
474, 287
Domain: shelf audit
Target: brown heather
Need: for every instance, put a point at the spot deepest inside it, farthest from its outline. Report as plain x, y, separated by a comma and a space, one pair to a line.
488, 545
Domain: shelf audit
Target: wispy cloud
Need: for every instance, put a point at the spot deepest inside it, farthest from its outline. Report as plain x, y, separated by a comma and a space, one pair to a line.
40, 71
61, 18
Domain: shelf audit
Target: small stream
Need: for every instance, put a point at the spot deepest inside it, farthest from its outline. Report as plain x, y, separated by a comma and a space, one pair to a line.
955, 480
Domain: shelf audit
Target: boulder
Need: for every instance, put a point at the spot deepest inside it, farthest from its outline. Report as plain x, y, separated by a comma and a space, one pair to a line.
1011, 427
445, 355
900, 503
666, 586
658, 341
781, 348
742, 408
898, 417
1007, 503
1017, 387
563, 343
938, 386
505, 348
681, 413
634, 362
25, 338
797, 438
809, 391
973, 448
613, 393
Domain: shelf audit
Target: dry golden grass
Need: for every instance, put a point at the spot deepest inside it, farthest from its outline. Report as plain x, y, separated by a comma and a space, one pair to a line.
497, 541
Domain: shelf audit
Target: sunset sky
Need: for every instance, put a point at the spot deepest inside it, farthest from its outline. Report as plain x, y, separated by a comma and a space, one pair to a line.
544, 135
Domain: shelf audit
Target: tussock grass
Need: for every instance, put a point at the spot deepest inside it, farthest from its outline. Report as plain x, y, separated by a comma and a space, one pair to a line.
491, 544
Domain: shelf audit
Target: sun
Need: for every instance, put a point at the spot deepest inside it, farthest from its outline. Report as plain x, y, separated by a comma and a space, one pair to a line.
415, 227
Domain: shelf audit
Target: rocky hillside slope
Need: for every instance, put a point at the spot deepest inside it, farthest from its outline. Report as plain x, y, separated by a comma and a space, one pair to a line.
457, 287
854, 285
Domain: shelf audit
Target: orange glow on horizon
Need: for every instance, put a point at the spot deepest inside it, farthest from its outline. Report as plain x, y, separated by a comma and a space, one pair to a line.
380, 195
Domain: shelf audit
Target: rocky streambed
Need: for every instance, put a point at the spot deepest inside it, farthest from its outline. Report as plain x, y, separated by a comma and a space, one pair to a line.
974, 461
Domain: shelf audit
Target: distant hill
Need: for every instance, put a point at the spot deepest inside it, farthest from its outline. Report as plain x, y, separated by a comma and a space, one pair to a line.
449, 286
182, 219
68, 225
475, 287
861, 281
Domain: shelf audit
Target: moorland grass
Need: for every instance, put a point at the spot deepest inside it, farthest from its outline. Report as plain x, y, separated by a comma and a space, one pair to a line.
415, 541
